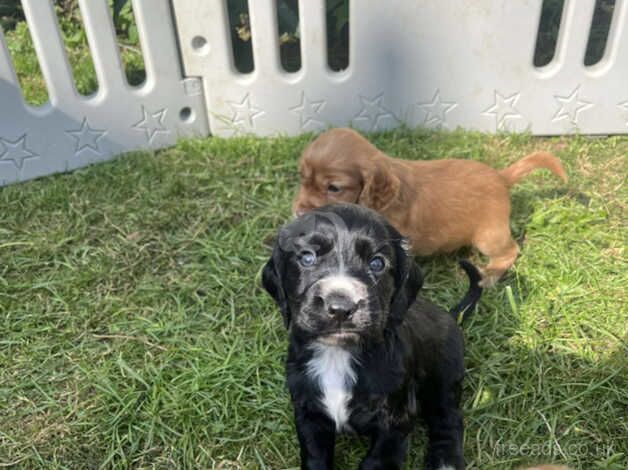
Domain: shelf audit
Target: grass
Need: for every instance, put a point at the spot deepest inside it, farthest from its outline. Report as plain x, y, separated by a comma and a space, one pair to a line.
134, 333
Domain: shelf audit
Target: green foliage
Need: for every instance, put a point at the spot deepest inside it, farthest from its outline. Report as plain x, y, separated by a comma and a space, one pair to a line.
10, 13
289, 35
337, 14
288, 19
117, 6
26, 65
124, 21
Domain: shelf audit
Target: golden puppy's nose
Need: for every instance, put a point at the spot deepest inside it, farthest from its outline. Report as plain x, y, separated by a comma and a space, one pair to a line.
301, 209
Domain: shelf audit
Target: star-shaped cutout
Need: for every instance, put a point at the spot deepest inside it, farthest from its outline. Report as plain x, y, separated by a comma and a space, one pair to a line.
373, 112
570, 106
152, 123
308, 111
244, 113
15, 151
503, 109
436, 110
86, 137
624, 106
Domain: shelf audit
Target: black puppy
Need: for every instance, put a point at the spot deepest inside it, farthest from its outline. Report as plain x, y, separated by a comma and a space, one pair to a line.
362, 350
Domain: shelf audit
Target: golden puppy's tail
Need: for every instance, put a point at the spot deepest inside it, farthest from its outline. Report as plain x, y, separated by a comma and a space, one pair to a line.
521, 168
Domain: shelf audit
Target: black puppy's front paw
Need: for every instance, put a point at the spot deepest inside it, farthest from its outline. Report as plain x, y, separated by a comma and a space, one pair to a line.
373, 463
440, 459
316, 464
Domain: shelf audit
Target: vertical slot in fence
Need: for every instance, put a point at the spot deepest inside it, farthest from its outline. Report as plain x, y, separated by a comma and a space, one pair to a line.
338, 23
128, 38
19, 43
241, 37
547, 35
289, 34
598, 34
77, 49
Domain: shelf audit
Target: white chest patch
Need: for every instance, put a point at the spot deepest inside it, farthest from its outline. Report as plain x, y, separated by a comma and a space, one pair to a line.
332, 368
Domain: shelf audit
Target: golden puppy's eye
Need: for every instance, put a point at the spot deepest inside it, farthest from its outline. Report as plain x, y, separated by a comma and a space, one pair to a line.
332, 188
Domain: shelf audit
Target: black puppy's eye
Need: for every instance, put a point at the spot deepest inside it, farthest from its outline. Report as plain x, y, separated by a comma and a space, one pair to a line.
307, 258
377, 264
332, 188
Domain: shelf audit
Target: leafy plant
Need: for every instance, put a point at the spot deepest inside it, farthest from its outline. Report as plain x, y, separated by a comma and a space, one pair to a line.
124, 21
10, 13
337, 12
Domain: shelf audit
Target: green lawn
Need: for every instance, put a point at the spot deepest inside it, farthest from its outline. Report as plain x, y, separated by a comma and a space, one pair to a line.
134, 333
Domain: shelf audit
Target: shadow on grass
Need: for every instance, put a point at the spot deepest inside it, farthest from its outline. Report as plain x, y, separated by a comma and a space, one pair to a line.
545, 404
525, 406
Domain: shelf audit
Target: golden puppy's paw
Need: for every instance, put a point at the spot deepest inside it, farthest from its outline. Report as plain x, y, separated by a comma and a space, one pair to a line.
489, 278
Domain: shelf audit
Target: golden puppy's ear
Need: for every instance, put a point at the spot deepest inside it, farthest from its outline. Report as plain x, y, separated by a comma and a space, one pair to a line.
380, 186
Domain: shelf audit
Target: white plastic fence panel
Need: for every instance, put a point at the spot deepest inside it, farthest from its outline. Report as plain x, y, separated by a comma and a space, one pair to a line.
72, 130
446, 63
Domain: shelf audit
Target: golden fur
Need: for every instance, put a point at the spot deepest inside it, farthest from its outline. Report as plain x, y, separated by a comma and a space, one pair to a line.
439, 205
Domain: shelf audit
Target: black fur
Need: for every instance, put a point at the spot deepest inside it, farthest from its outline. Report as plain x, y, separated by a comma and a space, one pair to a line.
408, 356
468, 302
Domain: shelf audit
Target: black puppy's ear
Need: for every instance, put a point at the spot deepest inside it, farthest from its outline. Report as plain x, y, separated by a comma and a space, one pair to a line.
408, 281
272, 281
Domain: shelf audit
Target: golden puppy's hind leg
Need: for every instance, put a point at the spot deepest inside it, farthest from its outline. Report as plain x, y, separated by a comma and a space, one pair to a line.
502, 252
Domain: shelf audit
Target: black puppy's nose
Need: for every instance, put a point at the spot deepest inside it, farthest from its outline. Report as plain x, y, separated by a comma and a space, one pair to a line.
341, 307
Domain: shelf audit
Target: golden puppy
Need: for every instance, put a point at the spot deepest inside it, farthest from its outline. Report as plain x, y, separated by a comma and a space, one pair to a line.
439, 205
